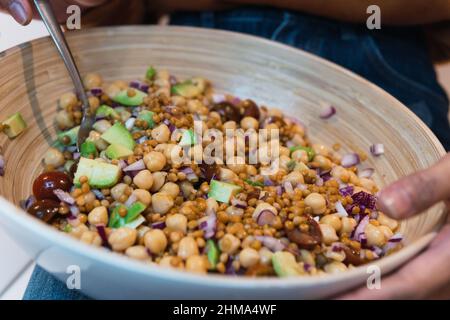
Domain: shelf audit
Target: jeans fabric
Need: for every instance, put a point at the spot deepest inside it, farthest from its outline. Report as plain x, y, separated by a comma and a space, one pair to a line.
396, 59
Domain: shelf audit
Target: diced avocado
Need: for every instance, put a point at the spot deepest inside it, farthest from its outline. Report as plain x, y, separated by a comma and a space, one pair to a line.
188, 138
213, 253
132, 219
106, 111
99, 174
117, 151
14, 125
308, 150
151, 72
147, 116
285, 265
88, 149
222, 191
71, 133
118, 134
189, 88
134, 211
123, 98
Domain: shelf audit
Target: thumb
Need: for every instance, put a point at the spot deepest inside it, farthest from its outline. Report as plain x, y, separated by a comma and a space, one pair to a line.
20, 10
417, 192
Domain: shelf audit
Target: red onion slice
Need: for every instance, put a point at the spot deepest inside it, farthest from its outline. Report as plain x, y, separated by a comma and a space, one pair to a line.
288, 187
366, 173
208, 226
64, 196
350, 160
159, 225
135, 166
398, 237
239, 203
340, 210
102, 233
76, 155
2, 166
359, 234
129, 124
265, 217
271, 243
377, 149
218, 98
327, 112
131, 199
74, 212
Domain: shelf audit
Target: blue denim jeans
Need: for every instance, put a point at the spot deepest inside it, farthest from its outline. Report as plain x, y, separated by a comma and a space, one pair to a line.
396, 59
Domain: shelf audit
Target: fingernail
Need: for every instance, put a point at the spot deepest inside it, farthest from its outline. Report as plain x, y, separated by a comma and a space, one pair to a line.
390, 204
18, 12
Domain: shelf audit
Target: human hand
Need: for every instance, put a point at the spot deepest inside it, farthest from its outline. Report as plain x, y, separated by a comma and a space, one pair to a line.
428, 273
23, 10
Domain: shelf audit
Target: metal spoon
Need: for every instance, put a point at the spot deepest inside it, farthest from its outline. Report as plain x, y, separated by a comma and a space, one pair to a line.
48, 17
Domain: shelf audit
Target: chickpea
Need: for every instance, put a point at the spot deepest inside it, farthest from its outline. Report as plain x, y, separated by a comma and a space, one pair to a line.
187, 247
284, 162
248, 257
194, 106
334, 255
324, 162
98, 215
95, 137
285, 151
294, 178
64, 120
249, 123
143, 180
321, 149
177, 222
119, 189
300, 155
161, 133
375, 236
187, 189
229, 243
171, 189
161, 202
155, 161
340, 173
386, 231
317, 203
155, 240
368, 184
348, 224
102, 125
386, 221
53, 157
166, 262
212, 205
332, 220
353, 178
227, 175
265, 256
141, 231
122, 238
143, 196
67, 100
335, 267
112, 90
159, 178
328, 233
297, 139
92, 80
91, 237
307, 257
198, 264
138, 253
229, 125
236, 164
78, 231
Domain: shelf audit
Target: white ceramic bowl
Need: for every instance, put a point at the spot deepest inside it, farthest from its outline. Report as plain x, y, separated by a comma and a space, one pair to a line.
33, 77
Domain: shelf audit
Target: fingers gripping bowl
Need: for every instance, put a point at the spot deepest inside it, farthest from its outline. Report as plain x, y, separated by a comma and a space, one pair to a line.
268, 73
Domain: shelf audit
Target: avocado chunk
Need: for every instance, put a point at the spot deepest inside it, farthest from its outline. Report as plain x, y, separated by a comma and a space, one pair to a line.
308, 150
117, 151
147, 116
14, 125
99, 174
189, 88
222, 191
151, 72
118, 134
72, 134
133, 214
105, 111
285, 265
188, 138
123, 98
213, 253
88, 149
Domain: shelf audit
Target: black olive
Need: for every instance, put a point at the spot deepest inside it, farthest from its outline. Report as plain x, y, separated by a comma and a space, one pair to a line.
44, 210
227, 112
209, 171
250, 109
47, 182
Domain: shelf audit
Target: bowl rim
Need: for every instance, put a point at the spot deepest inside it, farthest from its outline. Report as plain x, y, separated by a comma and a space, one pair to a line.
21, 218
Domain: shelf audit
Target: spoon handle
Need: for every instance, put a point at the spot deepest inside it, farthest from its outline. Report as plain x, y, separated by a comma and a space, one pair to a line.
48, 17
